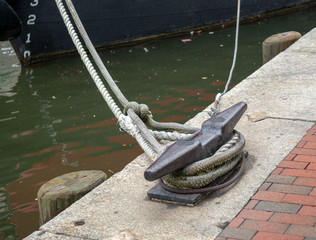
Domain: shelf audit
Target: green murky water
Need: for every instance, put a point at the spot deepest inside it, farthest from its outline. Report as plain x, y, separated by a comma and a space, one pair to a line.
54, 121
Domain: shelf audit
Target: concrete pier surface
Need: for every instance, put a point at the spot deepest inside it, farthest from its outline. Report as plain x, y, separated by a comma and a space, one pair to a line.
281, 98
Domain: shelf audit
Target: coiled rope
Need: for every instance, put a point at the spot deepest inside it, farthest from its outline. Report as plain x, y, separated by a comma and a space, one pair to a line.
203, 172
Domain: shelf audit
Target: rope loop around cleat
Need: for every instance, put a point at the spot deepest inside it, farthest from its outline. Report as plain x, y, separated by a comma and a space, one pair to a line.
227, 180
200, 174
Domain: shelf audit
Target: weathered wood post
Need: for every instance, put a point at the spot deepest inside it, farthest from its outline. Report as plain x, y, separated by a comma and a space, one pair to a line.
277, 43
59, 193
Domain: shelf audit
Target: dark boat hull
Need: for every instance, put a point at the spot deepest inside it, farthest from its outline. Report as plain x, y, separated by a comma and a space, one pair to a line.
10, 24
114, 21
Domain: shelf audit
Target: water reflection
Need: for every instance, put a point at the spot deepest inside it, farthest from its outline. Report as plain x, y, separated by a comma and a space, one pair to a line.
9, 71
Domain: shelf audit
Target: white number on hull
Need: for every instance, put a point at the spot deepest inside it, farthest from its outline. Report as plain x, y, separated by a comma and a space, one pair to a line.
28, 38
31, 19
27, 53
34, 3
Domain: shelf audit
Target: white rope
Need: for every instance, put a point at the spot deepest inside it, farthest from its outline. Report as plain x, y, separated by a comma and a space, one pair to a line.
171, 136
107, 97
141, 109
219, 95
125, 122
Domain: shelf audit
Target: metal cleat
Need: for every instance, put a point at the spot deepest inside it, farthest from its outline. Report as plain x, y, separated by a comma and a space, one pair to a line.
213, 134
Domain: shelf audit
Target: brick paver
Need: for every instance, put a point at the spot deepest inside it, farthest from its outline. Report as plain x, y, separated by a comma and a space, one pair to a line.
284, 207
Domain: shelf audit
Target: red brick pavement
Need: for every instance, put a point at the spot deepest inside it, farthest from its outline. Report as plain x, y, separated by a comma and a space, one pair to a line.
284, 207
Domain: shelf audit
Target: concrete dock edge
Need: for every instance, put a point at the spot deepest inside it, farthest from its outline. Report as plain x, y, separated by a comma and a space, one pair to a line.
281, 98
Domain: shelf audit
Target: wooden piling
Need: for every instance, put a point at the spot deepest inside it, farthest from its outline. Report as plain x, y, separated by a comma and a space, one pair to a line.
277, 43
59, 193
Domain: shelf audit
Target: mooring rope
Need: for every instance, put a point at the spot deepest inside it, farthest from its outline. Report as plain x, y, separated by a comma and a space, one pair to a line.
120, 96
126, 123
216, 108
